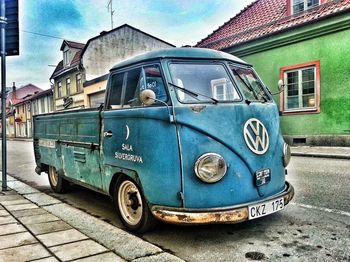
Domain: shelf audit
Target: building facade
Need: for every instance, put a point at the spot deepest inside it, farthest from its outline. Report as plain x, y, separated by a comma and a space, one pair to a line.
304, 43
16, 95
68, 78
39, 103
102, 52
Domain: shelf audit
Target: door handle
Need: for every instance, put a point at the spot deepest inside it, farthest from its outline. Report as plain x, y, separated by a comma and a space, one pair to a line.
107, 134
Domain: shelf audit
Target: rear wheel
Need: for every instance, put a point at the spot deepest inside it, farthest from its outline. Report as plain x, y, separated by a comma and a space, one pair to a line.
57, 183
132, 207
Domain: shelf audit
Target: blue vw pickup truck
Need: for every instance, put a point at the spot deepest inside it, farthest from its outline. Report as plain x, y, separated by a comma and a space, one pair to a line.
185, 136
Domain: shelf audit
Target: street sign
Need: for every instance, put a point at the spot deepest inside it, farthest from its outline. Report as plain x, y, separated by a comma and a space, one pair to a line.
12, 34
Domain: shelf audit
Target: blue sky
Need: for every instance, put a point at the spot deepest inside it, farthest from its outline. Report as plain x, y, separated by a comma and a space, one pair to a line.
179, 22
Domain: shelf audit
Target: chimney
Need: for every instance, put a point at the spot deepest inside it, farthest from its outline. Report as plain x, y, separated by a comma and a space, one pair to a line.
13, 90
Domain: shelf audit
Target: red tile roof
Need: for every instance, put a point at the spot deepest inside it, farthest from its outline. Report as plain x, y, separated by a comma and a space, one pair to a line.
75, 61
72, 44
76, 58
20, 93
75, 44
266, 17
47, 92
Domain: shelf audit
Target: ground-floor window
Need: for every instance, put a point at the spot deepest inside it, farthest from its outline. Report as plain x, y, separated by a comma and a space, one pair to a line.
302, 88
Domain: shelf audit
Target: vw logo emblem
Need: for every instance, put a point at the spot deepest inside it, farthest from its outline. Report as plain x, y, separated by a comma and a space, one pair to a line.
256, 136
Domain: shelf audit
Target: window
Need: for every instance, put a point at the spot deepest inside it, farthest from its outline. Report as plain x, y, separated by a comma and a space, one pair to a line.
302, 5
132, 88
42, 101
115, 91
50, 103
79, 83
126, 87
65, 57
301, 91
69, 91
249, 84
59, 89
148, 77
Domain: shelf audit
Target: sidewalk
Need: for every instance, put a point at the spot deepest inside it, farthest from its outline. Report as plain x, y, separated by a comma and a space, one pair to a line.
323, 151
36, 226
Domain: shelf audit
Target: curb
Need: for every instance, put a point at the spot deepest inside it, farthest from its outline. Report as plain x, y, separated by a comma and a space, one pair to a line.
320, 155
124, 244
19, 139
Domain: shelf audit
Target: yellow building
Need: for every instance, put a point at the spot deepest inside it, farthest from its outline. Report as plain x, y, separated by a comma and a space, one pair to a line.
68, 78
26, 108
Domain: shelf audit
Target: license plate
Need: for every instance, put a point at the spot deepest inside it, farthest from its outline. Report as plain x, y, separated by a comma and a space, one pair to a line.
265, 208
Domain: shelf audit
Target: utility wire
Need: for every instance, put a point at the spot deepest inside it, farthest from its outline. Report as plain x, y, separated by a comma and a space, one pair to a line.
34, 33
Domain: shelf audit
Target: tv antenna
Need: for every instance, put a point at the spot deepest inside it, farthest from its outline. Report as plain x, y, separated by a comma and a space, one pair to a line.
110, 9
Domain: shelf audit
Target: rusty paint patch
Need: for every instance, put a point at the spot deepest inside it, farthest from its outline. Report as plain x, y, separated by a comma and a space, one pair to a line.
175, 217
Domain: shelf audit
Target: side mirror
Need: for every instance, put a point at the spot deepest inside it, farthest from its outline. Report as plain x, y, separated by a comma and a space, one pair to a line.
280, 85
147, 97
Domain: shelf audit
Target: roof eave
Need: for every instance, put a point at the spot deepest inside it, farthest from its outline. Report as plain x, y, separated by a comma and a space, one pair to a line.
344, 24
66, 70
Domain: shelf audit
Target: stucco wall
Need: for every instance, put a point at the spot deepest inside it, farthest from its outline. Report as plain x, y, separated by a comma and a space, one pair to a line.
334, 54
105, 51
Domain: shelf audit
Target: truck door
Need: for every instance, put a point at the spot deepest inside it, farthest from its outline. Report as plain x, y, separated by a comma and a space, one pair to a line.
139, 139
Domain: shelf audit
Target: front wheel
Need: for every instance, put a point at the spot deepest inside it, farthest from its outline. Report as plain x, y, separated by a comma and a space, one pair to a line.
132, 207
57, 183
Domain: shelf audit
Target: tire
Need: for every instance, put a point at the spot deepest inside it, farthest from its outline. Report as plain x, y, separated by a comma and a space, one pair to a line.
57, 183
132, 207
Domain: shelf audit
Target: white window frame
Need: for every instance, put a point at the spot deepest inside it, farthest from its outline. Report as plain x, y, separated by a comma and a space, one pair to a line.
305, 6
68, 86
300, 90
215, 83
59, 89
79, 82
65, 58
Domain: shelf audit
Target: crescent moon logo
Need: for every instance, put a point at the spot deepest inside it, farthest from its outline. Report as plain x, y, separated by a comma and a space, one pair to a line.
127, 132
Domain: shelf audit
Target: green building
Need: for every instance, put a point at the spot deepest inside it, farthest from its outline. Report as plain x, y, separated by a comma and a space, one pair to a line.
306, 43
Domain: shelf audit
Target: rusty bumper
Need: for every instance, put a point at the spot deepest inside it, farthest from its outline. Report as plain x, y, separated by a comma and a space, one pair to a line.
228, 215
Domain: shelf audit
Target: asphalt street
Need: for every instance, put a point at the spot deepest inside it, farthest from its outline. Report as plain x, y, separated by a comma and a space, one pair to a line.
315, 226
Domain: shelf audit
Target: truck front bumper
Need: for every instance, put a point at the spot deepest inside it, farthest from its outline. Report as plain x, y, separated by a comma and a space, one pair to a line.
229, 215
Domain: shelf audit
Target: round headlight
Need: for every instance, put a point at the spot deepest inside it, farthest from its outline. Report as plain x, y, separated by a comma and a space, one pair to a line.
286, 154
210, 167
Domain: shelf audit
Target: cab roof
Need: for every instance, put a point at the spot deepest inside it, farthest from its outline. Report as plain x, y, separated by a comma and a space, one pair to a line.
180, 53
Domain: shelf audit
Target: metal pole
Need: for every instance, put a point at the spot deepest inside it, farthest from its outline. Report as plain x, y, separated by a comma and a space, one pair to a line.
110, 5
3, 94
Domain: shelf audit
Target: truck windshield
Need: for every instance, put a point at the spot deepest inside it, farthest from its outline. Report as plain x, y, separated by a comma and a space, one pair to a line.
249, 83
210, 82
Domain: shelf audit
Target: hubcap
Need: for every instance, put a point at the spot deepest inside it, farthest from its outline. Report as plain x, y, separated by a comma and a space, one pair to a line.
53, 176
130, 202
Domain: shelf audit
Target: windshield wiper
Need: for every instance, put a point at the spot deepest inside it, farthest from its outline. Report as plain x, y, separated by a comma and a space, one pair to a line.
193, 94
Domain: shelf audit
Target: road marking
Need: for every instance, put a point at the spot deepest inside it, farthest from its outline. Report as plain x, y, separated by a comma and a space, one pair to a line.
341, 212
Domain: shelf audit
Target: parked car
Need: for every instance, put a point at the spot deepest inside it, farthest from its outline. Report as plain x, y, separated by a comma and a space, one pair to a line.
186, 136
